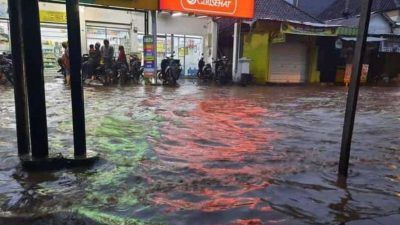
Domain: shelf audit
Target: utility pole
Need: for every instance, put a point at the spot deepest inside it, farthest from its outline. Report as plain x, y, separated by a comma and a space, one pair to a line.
352, 97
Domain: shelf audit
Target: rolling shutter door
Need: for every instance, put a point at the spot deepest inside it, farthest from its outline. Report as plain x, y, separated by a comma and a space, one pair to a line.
288, 63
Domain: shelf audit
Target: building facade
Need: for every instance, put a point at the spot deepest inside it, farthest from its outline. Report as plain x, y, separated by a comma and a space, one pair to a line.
187, 37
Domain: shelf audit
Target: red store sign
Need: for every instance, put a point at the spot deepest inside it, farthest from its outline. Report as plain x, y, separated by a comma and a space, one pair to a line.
228, 8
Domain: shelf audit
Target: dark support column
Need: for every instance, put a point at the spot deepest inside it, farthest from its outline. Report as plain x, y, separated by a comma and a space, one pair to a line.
146, 23
154, 33
354, 88
34, 78
75, 55
21, 99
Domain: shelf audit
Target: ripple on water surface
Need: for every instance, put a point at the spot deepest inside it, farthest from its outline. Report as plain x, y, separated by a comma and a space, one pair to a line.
207, 155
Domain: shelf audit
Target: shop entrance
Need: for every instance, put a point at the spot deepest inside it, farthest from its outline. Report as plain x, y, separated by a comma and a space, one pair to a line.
288, 64
188, 49
52, 38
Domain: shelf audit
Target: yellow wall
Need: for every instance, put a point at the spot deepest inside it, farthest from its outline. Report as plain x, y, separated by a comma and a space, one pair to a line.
256, 48
313, 67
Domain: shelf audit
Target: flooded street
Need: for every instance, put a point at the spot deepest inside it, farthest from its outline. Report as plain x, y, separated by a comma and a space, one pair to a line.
209, 155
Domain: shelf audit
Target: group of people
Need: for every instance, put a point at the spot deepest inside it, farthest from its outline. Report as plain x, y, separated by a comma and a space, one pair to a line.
97, 55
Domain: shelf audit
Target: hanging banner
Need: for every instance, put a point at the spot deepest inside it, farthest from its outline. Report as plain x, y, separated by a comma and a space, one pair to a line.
149, 56
130, 4
278, 37
302, 29
227, 8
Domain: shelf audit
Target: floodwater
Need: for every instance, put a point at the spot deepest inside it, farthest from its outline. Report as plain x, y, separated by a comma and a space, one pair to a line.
209, 155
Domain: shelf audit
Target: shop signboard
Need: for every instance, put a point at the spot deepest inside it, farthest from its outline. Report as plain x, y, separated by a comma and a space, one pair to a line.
149, 56
301, 29
52, 16
131, 4
227, 8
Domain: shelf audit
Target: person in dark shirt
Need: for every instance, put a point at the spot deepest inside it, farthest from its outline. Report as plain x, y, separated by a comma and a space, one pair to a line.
107, 54
94, 60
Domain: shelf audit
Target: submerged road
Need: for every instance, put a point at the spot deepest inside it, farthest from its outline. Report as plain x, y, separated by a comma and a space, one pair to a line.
210, 155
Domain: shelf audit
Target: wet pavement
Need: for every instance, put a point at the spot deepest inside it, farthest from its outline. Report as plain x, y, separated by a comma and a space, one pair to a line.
210, 155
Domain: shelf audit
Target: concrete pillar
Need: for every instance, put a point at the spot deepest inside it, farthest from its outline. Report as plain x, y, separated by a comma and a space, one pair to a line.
236, 51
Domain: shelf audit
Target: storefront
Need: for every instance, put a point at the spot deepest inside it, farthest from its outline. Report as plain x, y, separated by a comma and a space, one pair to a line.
188, 47
380, 63
187, 36
285, 52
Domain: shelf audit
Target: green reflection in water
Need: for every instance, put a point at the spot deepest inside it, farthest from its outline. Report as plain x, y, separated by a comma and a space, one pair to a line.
123, 142
108, 219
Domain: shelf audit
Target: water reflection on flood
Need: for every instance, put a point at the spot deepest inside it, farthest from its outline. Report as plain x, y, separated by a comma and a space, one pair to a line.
208, 155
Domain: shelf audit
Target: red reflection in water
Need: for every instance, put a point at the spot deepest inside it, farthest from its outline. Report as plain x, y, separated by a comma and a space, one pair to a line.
220, 139
248, 222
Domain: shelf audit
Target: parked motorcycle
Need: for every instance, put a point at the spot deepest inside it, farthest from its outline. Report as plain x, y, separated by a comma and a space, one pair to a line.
223, 74
205, 72
136, 70
171, 70
6, 69
100, 73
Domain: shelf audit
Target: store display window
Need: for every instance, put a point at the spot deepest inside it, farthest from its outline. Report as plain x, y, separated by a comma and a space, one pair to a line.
52, 38
4, 37
116, 36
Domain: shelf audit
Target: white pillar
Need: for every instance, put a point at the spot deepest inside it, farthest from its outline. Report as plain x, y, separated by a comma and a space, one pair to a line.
82, 21
133, 34
214, 42
236, 51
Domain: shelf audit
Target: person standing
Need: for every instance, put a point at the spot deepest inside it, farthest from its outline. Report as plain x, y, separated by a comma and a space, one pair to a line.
122, 56
66, 63
107, 53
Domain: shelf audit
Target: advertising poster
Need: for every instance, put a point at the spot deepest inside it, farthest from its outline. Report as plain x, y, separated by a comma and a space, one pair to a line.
149, 57
349, 70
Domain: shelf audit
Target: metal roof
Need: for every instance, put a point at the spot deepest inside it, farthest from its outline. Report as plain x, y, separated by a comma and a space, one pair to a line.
336, 10
281, 10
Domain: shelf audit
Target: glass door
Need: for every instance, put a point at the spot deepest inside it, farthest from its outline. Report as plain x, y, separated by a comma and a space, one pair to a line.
193, 52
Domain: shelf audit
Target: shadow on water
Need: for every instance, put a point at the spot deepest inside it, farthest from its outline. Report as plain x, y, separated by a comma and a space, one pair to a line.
209, 155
